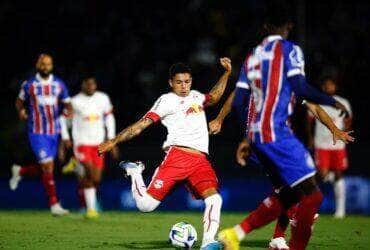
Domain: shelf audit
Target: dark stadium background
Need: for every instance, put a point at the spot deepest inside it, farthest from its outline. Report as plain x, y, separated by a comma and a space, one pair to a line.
130, 45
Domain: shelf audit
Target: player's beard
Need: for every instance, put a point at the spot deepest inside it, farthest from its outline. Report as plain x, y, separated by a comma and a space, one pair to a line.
44, 74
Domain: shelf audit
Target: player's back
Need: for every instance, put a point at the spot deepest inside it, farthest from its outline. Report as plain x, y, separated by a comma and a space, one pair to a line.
43, 98
268, 68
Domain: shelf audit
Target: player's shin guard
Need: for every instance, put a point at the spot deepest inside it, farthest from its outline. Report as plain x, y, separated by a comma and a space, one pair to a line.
144, 202
268, 210
340, 198
302, 226
211, 218
49, 184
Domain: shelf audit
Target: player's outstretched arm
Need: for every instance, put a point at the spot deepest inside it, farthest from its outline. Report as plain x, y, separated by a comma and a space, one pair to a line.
216, 124
19, 105
218, 90
323, 117
126, 134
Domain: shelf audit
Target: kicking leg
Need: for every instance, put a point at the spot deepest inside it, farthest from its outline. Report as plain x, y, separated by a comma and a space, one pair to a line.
20, 171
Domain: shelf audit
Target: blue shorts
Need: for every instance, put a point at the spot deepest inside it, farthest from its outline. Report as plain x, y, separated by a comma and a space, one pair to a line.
45, 147
286, 158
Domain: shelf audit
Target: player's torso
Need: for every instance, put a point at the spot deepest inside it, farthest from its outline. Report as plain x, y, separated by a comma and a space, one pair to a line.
88, 119
44, 106
186, 122
270, 90
323, 137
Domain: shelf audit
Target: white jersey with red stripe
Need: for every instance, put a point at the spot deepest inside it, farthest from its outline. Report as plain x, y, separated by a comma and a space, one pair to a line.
323, 138
184, 118
267, 70
89, 112
43, 97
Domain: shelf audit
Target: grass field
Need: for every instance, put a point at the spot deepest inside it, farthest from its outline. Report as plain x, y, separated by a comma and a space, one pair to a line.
131, 230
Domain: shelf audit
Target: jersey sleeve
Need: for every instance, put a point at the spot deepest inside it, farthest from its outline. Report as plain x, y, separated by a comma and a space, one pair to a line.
64, 95
108, 107
159, 110
293, 60
23, 95
242, 80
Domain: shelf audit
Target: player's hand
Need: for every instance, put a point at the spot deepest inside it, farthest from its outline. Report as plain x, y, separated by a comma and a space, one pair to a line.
215, 126
343, 136
22, 114
242, 153
115, 153
342, 109
106, 147
226, 63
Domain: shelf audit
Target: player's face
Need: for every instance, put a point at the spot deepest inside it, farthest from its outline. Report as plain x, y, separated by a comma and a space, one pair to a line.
44, 65
329, 87
89, 86
181, 84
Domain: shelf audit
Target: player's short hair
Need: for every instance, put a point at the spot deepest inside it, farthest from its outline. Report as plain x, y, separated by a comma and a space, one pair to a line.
277, 13
178, 68
326, 78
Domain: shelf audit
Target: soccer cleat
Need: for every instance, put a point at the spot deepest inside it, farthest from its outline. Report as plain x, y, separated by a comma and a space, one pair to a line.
229, 238
212, 246
132, 167
16, 178
57, 210
278, 244
339, 215
91, 214
70, 166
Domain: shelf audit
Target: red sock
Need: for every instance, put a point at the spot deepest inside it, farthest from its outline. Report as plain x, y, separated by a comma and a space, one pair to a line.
49, 184
81, 196
281, 226
267, 211
302, 228
30, 170
292, 211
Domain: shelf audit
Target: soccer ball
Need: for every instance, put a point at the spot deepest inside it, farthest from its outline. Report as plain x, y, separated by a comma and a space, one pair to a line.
183, 235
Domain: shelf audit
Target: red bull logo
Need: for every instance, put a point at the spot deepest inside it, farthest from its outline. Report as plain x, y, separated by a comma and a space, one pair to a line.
194, 109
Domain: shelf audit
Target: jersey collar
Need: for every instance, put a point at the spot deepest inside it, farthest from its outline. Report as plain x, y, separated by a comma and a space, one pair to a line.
41, 80
272, 38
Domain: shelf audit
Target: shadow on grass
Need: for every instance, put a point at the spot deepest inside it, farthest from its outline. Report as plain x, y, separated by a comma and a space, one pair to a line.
155, 244
255, 243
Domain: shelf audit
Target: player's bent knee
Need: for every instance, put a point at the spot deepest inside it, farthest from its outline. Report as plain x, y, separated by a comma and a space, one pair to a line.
147, 204
215, 200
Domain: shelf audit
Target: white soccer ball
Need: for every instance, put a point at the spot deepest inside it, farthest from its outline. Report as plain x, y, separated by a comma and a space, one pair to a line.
183, 235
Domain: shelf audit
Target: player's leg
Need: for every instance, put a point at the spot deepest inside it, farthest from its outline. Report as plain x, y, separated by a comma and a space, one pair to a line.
20, 171
340, 164
322, 160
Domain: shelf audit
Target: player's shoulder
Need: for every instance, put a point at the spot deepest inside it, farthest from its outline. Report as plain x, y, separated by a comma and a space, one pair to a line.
58, 80
167, 97
341, 99
101, 95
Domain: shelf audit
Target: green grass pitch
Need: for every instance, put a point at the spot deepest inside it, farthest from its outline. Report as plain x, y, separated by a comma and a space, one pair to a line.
134, 230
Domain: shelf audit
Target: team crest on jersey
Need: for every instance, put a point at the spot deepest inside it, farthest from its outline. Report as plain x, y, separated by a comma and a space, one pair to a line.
194, 109
42, 153
158, 184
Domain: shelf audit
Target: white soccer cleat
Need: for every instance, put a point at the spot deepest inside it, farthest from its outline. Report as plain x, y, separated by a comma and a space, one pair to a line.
339, 215
16, 178
57, 210
278, 244
132, 167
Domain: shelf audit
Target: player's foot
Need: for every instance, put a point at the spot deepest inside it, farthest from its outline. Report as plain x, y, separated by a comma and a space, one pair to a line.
16, 178
278, 244
212, 246
132, 167
339, 215
316, 217
91, 214
58, 210
229, 238
70, 166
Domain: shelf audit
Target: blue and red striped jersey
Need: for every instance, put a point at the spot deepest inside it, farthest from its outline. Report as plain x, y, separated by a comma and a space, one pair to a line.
44, 98
266, 71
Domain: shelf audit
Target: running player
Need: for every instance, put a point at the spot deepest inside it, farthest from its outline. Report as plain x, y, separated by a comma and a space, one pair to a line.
92, 122
331, 160
182, 112
274, 70
42, 94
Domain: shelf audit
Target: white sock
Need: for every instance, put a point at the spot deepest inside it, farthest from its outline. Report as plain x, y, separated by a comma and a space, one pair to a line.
330, 177
144, 202
340, 197
90, 198
239, 232
211, 218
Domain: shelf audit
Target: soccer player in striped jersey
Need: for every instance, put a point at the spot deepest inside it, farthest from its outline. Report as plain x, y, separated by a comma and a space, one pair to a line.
38, 103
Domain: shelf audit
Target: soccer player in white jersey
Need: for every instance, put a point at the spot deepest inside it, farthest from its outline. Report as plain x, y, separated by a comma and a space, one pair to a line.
92, 122
331, 159
182, 112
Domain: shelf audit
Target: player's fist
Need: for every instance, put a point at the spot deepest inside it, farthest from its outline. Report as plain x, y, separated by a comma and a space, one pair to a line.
22, 114
243, 152
106, 147
215, 126
226, 63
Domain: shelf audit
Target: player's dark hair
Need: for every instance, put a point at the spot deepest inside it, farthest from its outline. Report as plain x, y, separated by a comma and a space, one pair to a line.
326, 78
277, 13
178, 68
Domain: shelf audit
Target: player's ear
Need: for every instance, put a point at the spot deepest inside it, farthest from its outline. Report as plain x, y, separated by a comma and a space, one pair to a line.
170, 82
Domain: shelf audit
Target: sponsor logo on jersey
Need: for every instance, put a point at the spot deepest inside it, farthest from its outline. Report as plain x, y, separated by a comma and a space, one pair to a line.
194, 109
92, 117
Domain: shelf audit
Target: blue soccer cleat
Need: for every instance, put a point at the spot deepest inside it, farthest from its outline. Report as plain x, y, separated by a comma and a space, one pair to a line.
213, 246
132, 167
